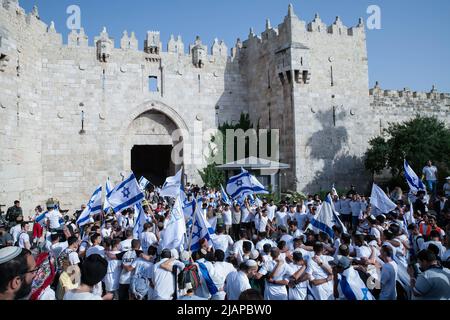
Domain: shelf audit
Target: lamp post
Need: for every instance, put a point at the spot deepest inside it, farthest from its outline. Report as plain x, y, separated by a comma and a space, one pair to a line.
82, 131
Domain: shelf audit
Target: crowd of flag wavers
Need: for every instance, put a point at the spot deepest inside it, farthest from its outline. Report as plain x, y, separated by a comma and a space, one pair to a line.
135, 241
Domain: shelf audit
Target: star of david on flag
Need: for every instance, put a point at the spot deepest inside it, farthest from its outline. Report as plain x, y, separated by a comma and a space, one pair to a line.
125, 195
93, 206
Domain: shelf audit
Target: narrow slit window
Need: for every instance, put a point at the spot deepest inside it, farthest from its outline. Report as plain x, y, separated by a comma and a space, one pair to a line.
153, 84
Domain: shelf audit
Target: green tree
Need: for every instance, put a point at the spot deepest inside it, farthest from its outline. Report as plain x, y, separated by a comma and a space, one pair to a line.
417, 140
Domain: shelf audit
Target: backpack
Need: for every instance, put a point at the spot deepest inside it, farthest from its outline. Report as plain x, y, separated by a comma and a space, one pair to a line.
18, 239
139, 285
189, 275
59, 260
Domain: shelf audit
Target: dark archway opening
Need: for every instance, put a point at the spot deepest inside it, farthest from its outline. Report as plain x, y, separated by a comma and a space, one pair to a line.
152, 162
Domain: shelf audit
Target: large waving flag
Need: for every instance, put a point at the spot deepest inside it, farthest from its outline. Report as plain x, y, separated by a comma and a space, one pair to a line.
94, 206
324, 220
201, 229
109, 188
126, 194
172, 186
353, 287
414, 182
175, 230
380, 200
224, 196
188, 206
337, 221
244, 184
140, 221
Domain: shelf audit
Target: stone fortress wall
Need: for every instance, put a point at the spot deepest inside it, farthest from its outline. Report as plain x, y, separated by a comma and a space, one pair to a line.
309, 80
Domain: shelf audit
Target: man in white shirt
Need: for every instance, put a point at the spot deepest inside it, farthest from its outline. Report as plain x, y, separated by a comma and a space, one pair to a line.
277, 272
127, 258
222, 241
147, 237
271, 209
53, 218
238, 245
24, 238
106, 231
298, 284
264, 240
227, 221
114, 270
96, 248
222, 270
57, 247
163, 279
282, 217
321, 274
238, 281
389, 271
430, 173
125, 245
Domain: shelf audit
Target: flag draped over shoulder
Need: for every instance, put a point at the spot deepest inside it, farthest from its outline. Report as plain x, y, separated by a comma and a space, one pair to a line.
244, 184
353, 287
414, 182
201, 229
171, 187
125, 195
324, 220
93, 206
380, 200
175, 230
336, 221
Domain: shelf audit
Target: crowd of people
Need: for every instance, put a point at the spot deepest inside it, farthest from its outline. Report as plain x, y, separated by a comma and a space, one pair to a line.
258, 250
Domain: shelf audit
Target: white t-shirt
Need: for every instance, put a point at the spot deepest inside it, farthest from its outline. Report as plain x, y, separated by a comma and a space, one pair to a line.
263, 222
15, 231
125, 245
106, 233
355, 207
388, 281
127, 260
226, 214
276, 291
430, 173
222, 270
261, 243
363, 252
323, 291
300, 290
271, 212
58, 247
246, 216
281, 217
222, 242
98, 249
438, 244
147, 240
237, 249
23, 239
144, 268
301, 217
72, 295
53, 217
163, 281
112, 276
236, 283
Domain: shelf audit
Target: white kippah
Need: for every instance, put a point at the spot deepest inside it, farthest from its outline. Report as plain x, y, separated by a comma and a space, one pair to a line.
9, 253
251, 263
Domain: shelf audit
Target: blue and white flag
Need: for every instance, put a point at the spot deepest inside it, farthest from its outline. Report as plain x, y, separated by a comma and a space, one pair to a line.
244, 184
224, 196
380, 200
324, 220
414, 182
173, 236
109, 188
143, 183
125, 195
188, 207
93, 206
171, 187
336, 221
353, 287
41, 218
140, 220
201, 229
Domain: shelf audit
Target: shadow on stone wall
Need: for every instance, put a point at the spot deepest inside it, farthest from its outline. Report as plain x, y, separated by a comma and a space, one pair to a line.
330, 145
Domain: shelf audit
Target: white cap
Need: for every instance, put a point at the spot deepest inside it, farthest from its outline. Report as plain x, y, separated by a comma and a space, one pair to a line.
9, 253
251, 263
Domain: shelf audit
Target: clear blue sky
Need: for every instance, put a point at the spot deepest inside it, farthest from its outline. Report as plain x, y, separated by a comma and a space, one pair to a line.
411, 50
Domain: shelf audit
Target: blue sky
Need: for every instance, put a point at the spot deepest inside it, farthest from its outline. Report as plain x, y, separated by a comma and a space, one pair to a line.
412, 49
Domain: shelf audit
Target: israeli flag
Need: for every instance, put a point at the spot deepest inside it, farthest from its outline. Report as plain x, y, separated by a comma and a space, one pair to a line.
173, 236
414, 182
188, 206
201, 229
140, 221
171, 187
41, 218
126, 194
380, 200
109, 188
244, 184
336, 221
93, 206
224, 196
143, 183
324, 220
353, 287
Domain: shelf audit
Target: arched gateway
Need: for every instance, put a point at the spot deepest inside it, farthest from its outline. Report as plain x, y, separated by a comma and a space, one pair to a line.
149, 140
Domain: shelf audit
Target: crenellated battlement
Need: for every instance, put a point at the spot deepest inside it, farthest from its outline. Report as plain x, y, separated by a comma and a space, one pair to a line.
407, 94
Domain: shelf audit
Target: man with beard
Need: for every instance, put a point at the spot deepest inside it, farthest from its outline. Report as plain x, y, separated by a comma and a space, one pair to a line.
17, 270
